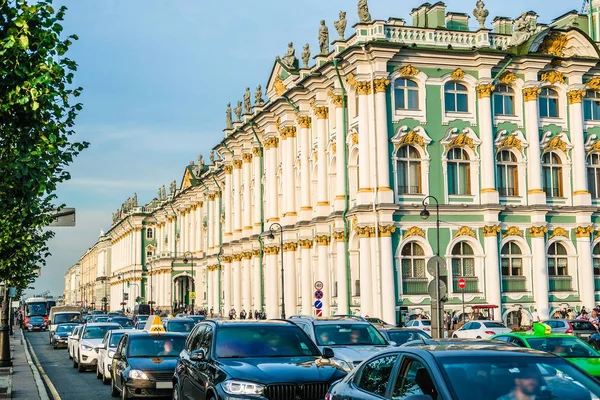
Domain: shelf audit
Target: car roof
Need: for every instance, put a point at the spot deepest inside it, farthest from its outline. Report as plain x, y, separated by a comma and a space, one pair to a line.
102, 324
66, 312
395, 328
532, 335
227, 322
134, 333
470, 349
456, 341
178, 319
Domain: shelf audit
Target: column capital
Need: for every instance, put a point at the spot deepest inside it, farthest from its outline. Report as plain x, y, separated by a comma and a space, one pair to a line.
228, 169
485, 90
363, 231
531, 93
576, 96
339, 236
322, 240
381, 84
256, 253
271, 250
336, 99
211, 197
247, 255
256, 152
227, 259
322, 112
538, 231
290, 246
287, 132
306, 243
237, 164
491, 230
386, 230
303, 121
584, 231
247, 157
361, 87
271, 143
237, 257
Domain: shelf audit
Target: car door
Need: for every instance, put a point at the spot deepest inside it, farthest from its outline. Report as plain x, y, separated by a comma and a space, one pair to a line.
463, 331
120, 364
102, 352
185, 366
373, 380
476, 330
517, 341
203, 370
414, 377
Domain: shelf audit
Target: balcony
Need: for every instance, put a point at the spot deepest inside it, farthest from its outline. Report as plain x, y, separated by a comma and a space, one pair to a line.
514, 283
560, 283
414, 286
472, 284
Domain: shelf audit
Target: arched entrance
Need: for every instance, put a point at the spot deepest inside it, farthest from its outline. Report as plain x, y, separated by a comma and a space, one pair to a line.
183, 285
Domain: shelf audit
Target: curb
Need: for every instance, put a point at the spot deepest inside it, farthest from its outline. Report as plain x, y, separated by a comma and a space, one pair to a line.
37, 370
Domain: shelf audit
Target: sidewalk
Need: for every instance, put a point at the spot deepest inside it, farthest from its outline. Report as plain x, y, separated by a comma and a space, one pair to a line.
24, 382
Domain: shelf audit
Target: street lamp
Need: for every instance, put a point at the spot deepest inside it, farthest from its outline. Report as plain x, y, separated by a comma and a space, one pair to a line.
425, 215
120, 277
185, 261
275, 227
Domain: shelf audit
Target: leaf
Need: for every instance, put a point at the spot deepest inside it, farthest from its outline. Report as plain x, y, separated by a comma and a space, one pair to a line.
23, 41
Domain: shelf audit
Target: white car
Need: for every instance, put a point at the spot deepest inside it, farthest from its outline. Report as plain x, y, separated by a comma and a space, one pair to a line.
105, 351
422, 324
91, 335
72, 339
481, 330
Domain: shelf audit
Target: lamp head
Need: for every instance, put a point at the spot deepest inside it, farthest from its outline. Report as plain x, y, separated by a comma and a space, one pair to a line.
185, 260
270, 236
424, 213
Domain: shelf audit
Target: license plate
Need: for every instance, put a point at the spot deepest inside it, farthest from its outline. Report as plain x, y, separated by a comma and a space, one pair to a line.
585, 335
164, 385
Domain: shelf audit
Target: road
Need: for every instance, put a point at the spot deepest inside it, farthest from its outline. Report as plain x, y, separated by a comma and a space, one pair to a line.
69, 383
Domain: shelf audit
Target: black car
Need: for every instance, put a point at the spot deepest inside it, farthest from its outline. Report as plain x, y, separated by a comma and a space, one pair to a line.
36, 324
61, 334
182, 325
245, 359
403, 335
465, 372
126, 323
144, 362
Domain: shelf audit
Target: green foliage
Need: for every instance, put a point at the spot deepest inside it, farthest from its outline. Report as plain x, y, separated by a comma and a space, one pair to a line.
37, 115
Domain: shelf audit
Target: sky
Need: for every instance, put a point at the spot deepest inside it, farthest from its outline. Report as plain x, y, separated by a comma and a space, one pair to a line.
157, 76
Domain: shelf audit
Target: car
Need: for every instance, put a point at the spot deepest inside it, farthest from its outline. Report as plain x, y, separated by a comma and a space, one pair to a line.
36, 324
62, 317
570, 347
144, 363
105, 351
465, 372
118, 313
88, 318
61, 335
422, 324
140, 318
379, 322
100, 318
455, 341
481, 329
72, 339
98, 312
252, 359
351, 339
126, 323
140, 325
581, 328
181, 325
197, 318
403, 335
85, 355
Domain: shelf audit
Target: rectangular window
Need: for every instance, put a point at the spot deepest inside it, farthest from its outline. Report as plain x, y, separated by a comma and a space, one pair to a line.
452, 179
413, 99
591, 110
592, 182
461, 102
551, 267
357, 287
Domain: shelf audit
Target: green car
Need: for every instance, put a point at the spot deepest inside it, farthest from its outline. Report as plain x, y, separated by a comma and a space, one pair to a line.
569, 347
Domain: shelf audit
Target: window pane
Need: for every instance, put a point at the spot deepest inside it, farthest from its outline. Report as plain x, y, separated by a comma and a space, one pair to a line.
469, 267
498, 106
414, 177
399, 98
463, 179
452, 183
413, 99
587, 110
461, 102
509, 107
553, 108
402, 178
450, 102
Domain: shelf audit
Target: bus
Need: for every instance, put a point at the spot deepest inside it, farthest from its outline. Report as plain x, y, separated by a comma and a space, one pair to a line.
36, 307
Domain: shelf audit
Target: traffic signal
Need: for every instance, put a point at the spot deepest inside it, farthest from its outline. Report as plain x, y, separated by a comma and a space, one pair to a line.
128, 285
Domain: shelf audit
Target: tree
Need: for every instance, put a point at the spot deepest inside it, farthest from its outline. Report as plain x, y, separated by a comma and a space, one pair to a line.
37, 115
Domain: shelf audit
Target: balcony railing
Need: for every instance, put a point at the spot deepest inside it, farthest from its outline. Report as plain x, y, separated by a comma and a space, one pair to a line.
514, 283
414, 285
471, 281
409, 190
560, 284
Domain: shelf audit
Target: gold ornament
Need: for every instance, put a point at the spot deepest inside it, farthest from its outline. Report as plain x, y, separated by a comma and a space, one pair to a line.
554, 44
339, 236
247, 157
485, 90
410, 138
279, 86
538, 231
458, 74
256, 253
247, 255
287, 132
271, 250
237, 164
531, 93
211, 197
461, 140
237, 257
576, 96
321, 112
555, 143
363, 231
593, 83
256, 151
271, 143
386, 230
228, 169
464, 231
408, 70
381, 85
336, 99
354, 138
361, 87
510, 141
305, 243
227, 259
491, 230
507, 78
291, 246
414, 231
553, 77
303, 121
512, 231
584, 231
322, 240
559, 232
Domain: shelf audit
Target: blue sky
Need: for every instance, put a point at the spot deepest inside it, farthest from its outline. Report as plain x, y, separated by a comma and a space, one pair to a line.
157, 76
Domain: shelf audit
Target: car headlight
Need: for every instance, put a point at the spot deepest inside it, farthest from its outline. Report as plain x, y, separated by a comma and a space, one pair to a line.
137, 374
56, 337
241, 387
345, 365
29, 326
111, 353
85, 347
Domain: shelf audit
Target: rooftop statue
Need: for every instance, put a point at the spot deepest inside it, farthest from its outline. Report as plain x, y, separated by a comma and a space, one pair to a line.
228, 118
135, 200
164, 193
258, 100
522, 30
173, 187
324, 38
480, 13
340, 25
363, 11
200, 163
306, 55
290, 60
238, 111
247, 103
212, 156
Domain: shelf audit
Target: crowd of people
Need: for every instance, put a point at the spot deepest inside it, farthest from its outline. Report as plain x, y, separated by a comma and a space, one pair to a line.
247, 315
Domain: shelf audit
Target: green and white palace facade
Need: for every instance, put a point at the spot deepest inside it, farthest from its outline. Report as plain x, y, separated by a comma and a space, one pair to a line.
500, 125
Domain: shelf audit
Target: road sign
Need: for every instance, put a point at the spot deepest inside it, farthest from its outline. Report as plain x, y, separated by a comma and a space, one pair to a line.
318, 285
318, 295
432, 265
192, 295
462, 283
63, 217
432, 290
319, 313
125, 296
318, 304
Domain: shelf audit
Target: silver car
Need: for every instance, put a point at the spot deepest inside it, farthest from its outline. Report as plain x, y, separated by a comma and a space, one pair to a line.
581, 328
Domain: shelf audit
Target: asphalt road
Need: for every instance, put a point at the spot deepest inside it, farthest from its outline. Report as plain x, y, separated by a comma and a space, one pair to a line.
69, 383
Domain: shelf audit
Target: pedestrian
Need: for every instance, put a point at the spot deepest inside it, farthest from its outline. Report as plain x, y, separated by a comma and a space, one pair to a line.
519, 317
250, 314
535, 316
256, 314
212, 312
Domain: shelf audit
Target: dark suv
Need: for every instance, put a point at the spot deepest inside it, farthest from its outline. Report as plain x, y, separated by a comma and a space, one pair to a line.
245, 359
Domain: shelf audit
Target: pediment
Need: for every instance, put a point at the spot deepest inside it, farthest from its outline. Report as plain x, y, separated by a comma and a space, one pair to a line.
565, 44
189, 177
281, 79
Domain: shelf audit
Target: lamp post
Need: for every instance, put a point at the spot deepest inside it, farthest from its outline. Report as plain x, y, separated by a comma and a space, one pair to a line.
275, 227
185, 261
120, 277
425, 215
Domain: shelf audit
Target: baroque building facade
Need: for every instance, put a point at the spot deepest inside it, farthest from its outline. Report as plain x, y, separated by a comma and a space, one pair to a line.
500, 125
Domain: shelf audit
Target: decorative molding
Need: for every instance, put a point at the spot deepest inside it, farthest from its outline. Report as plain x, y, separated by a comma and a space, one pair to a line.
237, 164
538, 231
460, 140
271, 250
336, 99
558, 231
322, 112
361, 87
211, 197
256, 253
485, 90
531, 93
553, 77
584, 231
458, 74
246, 255
576, 96
354, 138
256, 152
381, 85
593, 83
227, 259
491, 230
507, 78
464, 231
322, 240
339, 236
512, 231
414, 231
237, 257
555, 143
279, 86
287, 132
247, 157
271, 143
363, 231
510, 141
290, 246
386, 230
305, 243
303, 121
410, 138
407, 70
554, 44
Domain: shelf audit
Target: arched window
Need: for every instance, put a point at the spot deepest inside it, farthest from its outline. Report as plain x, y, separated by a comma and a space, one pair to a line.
456, 97
557, 260
459, 172
593, 169
149, 233
463, 266
552, 174
406, 94
409, 170
504, 100
548, 103
591, 106
511, 259
596, 259
508, 173
414, 280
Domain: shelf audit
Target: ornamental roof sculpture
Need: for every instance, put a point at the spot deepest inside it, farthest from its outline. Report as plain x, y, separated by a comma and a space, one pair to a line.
340, 25
523, 28
324, 38
305, 57
363, 12
290, 60
480, 13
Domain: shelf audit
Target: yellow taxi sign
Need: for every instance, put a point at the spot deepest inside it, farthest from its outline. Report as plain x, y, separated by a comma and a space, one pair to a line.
154, 325
541, 329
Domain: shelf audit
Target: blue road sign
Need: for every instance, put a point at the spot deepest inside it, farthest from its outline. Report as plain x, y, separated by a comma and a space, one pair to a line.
318, 295
318, 304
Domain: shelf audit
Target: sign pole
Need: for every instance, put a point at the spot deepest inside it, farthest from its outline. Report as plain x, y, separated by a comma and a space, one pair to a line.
463, 305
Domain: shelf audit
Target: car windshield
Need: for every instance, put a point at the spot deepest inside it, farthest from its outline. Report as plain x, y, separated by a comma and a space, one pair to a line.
401, 337
180, 326
506, 377
64, 328
142, 317
582, 325
97, 332
36, 320
348, 334
563, 346
425, 322
155, 346
62, 318
263, 341
140, 325
36, 309
494, 325
100, 319
114, 339
123, 321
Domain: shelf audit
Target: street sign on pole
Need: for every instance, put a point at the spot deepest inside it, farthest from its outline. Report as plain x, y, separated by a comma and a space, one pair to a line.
318, 285
432, 290
318, 304
432, 265
193, 295
64, 217
318, 295
319, 313
462, 283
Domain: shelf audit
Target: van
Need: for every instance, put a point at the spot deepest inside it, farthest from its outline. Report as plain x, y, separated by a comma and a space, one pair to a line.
141, 309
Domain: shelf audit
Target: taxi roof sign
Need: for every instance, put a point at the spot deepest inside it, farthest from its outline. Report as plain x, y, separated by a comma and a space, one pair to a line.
541, 329
154, 325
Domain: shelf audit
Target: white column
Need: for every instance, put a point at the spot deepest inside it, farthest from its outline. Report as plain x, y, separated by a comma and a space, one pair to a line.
322, 139
256, 281
586, 270
540, 271
288, 159
493, 282
307, 283
257, 172
210, 221
388, 286
385, 193
247, 281
534, 162
342, 273
489, 194
237, 283
216, 291
289, 269
340, 165
271, 208
365, 271
581, 196
304, 140
323, 273
227, 193
247, 179
217, 222
272, 283
237, 199
226, 265
363, 90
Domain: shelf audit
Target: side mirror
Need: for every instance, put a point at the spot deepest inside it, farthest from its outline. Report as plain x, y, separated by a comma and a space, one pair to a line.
197, 355
69, 334
328, 352
117, 356
393, 344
